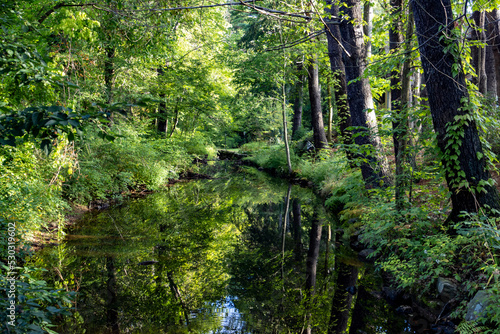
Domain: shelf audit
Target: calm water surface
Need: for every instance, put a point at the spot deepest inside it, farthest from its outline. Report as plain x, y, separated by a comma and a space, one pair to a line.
241, 253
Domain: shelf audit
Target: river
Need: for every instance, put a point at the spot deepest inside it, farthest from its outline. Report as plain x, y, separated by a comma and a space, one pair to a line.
239, 253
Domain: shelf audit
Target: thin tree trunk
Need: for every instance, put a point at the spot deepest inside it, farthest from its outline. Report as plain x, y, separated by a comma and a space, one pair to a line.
462, 154
495, 19
162, 120
491, 48
318, 126
298, 99
311, 265
176, 116
478, 53
329, 134
368, 27
111, 298
177, 295
109, 72
297, 228
285, 123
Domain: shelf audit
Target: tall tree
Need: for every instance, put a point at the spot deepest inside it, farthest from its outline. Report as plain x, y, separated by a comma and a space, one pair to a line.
462, 156
339, 79
373, 167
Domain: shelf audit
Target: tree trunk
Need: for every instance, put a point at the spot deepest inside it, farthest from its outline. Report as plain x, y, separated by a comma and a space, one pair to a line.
457, 135
298, 99
297, 228
395, 42
111, 297
479, 53
329, 133
162, 121
311, 265
342, 299
368, 27
495, 19
109, 72
318, 126
359, 96
339, 80
491, 57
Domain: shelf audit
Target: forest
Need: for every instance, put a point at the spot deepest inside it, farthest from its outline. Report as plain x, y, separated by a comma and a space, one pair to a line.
383, 115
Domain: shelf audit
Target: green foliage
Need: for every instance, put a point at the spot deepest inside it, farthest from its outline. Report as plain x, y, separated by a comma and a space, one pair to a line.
133, 160
273, 157
30, 185
37, 305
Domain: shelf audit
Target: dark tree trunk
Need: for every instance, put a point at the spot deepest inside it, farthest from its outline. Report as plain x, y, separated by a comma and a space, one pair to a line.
359, 96
340, 83
297, 228
111, 298
318, 126
109, 73
312, 255
298, 101
342, 299
396, 40
311, 265
462, 152
162, 120
395, 43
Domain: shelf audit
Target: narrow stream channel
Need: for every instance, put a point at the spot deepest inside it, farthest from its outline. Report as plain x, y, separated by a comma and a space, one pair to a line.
217, 256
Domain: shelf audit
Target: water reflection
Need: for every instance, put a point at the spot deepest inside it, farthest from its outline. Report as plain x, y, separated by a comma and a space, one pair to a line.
236, 254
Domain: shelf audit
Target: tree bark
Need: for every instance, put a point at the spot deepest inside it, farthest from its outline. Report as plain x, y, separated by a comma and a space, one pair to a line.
495, 19
339, 79
368, 27
479, 53
318, 126
162, 121
109, 72
298, 101
373, 167
462, 153
491, 58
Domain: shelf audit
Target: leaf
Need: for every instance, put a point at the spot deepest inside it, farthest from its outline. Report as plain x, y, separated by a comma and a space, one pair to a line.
46, 146
75, 123
51, 122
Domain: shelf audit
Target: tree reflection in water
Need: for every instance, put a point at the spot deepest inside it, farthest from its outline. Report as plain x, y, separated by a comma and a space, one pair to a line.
215, 256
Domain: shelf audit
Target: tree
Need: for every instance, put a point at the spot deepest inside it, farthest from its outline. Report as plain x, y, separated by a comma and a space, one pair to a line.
462, 154
359, 96
318, 126
338, 70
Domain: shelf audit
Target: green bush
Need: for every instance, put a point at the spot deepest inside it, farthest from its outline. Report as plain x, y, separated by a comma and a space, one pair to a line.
108, 168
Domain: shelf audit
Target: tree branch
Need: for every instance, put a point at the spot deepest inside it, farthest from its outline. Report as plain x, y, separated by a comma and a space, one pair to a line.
59, 5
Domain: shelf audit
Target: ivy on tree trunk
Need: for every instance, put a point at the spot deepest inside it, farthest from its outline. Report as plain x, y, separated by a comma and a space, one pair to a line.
457, 137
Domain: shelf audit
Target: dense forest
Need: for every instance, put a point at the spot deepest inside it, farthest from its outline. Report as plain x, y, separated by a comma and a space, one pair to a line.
387, 109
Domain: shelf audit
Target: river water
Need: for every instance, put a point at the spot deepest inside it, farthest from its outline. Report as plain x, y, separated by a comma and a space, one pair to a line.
240, 253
